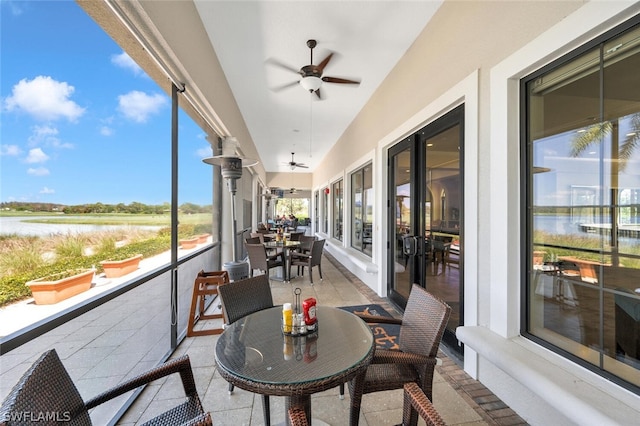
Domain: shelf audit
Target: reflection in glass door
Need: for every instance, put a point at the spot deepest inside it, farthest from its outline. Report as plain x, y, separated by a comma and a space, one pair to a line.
425, 211
442, 216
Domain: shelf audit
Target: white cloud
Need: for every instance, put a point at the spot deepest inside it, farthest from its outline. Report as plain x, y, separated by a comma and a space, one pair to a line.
46, 190
36, 155
39, 171
124, 61
45, 99
138, 106
47, 136
10, 150
106, 131
14, 6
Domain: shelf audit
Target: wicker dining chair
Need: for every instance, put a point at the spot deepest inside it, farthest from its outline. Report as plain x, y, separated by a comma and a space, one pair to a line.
241, 298
309, 260
417, 404
46, 387
305, 243
260, 259
421, 329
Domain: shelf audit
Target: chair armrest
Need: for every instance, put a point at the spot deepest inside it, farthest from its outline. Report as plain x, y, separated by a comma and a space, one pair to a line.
180, 365
415, 398
297, 417
203, 419
388, 356
379, 319
275, 256
298, 255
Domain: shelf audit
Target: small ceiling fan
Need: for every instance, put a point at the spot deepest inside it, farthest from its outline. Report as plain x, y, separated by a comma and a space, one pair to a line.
293, 164
311, 74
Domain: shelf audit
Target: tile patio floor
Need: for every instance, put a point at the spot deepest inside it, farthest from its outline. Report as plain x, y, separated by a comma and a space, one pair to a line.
459, 399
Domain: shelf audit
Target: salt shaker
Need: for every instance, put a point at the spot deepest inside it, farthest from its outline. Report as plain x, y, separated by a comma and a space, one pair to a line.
302, 326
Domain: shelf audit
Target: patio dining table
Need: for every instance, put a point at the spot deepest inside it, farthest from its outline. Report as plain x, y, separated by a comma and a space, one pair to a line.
254, 354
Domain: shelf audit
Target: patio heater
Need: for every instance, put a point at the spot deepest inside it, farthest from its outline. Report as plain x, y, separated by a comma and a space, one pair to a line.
231, 165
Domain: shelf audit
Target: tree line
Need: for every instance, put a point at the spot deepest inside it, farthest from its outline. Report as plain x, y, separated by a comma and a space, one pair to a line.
132, 208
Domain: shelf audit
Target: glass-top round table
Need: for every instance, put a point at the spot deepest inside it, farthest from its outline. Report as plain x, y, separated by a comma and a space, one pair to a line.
253, 354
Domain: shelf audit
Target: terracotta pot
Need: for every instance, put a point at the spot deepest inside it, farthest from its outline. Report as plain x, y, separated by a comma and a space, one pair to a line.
189, 243
48, 290
202, 238
118, 268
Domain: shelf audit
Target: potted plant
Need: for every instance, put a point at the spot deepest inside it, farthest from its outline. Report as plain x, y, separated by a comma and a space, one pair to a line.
57, 287
114, 268
202, 238
189, 243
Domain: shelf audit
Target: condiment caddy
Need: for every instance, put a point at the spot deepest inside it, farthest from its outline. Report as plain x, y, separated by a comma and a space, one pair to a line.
299, 320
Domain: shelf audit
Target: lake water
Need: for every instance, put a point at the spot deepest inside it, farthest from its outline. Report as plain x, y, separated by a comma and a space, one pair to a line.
16, 225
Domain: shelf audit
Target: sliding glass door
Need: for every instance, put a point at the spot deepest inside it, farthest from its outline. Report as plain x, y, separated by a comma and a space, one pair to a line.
426, 211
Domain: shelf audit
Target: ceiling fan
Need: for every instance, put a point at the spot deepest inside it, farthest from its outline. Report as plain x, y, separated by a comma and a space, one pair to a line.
311, 74
293, 164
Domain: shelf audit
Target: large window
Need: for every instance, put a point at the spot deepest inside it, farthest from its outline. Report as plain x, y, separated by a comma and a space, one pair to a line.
338, 203
362, 209
582, 153
325, 210
88, 137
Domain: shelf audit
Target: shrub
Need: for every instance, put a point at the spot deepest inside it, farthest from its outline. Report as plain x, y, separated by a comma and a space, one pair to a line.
71, 246
21, 257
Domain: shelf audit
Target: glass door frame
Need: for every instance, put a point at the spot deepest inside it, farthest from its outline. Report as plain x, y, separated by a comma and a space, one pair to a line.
416, 265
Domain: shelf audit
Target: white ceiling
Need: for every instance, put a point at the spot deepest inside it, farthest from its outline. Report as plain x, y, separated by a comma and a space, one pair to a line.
368, 38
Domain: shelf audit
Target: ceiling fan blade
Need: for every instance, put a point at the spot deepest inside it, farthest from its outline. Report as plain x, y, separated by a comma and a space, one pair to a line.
339, 80
285, 86
302, 166
282, 65
325, 61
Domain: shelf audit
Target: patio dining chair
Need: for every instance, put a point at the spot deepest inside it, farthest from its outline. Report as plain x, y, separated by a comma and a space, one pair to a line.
305, 243
415, 404
46, 387
309, 260
241, 298
254, 240
421, 329
260, 259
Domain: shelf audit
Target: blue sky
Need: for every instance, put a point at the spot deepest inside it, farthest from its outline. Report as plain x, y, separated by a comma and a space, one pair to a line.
72, 102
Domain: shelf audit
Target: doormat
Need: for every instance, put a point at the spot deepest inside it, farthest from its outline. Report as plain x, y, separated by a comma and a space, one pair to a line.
385, 335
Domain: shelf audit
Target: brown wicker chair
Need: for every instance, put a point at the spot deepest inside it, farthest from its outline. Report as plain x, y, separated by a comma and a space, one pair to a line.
260, 259
241, 298
416, 403
47, 388
295, 236
314, 258
305, 243
421, 329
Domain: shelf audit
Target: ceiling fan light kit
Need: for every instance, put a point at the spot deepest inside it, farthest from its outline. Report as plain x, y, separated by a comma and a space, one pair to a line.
293, 164
311, 84
311, 74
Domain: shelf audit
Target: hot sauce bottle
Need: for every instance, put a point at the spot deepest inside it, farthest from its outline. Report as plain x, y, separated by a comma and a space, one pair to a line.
309, 310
